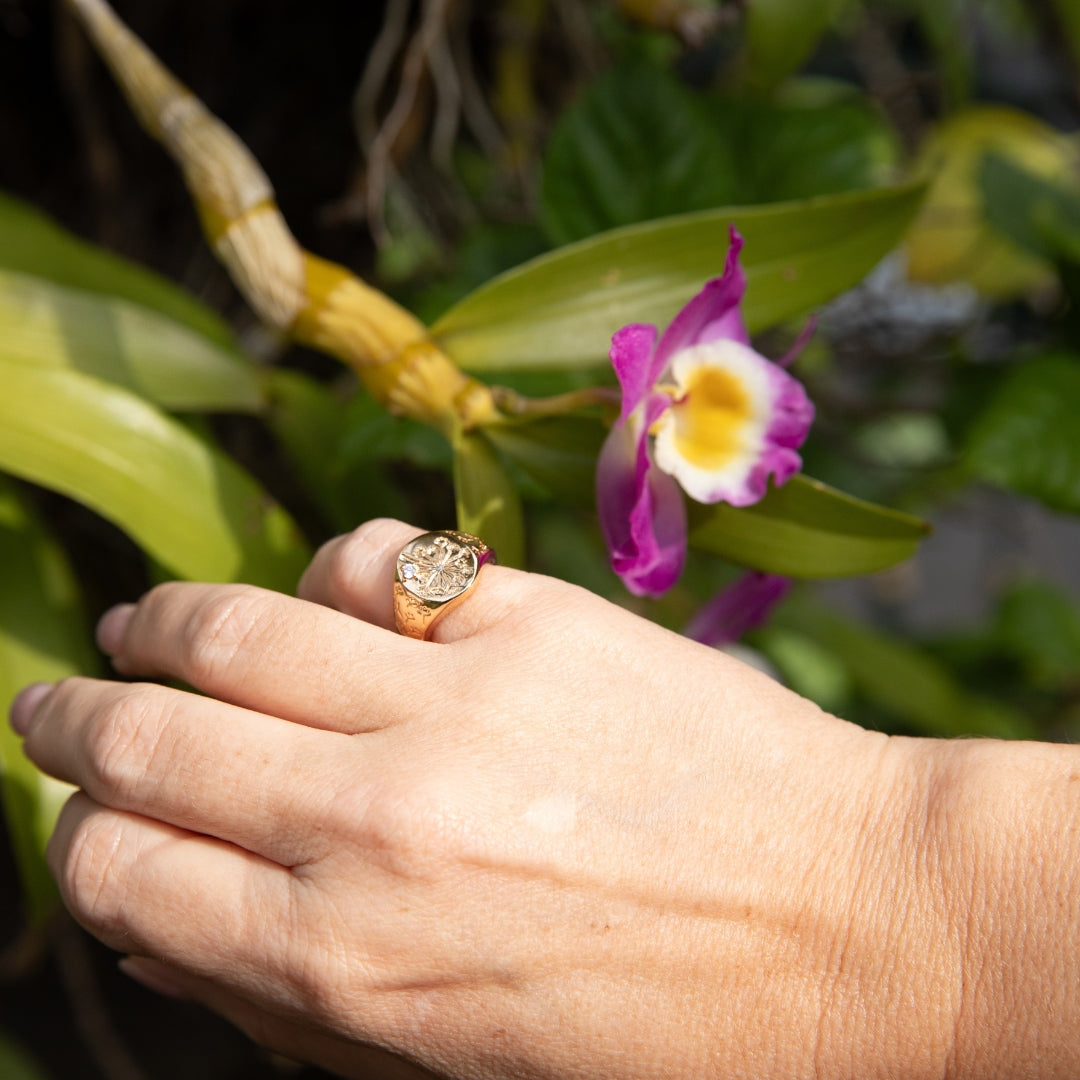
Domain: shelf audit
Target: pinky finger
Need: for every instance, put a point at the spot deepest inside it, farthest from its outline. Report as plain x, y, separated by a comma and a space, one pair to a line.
139, 884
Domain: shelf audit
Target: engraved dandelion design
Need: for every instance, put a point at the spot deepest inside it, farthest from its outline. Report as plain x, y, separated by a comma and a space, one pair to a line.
437, 570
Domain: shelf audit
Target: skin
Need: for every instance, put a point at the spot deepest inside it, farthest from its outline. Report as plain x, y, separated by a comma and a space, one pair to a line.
556, 841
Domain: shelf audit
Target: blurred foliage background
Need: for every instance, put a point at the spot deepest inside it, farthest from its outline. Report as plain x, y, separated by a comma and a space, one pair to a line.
431, 146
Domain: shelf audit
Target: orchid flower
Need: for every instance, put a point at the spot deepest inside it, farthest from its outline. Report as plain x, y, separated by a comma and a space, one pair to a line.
701, 410
740, 607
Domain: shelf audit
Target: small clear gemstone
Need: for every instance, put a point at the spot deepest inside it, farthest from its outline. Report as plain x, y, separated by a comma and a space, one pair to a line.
408, 570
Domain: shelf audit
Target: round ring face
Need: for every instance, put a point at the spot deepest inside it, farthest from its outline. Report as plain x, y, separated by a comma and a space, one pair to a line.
436, 568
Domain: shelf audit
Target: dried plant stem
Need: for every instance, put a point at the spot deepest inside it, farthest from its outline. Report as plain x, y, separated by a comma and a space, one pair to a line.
380, 62
414, 70
476, 113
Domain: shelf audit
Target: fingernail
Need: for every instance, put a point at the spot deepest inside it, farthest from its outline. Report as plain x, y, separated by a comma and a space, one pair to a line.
112, 627
153, 975
25, 705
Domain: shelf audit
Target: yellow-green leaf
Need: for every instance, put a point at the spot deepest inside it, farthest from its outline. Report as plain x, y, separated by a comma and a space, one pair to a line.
184, 502
488, 504
806, 529
43, 637
32, 243
50, 326
560, 309
558, 452
781, 35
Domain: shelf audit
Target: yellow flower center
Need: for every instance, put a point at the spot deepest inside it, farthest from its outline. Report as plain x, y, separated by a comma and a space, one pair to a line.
711, 417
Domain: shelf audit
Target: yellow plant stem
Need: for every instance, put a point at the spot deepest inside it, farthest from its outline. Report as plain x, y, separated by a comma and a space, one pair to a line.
310, 299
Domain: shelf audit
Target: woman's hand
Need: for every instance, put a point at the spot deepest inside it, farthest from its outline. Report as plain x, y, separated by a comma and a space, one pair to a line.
555, 841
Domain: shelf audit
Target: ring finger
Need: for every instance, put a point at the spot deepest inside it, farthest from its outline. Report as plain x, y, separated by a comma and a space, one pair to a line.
354, 573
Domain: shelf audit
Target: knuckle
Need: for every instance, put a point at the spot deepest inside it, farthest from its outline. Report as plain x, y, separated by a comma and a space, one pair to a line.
217, 629
68, 690
414, 829
160, 597
125, 739
89, 876
372, 531
341, 565
356, 547
362, 547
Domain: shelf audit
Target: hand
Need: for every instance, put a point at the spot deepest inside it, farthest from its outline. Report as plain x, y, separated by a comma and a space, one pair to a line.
556, 841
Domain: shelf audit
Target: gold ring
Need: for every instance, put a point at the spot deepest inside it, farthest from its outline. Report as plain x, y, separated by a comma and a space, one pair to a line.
434, 573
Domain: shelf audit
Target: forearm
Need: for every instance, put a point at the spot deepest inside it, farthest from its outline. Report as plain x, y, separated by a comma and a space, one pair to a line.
1003, 840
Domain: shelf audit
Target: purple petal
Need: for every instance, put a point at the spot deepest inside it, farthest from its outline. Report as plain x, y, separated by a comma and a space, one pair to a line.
738, 608
800, 343
641, 509
632, 352
793, 412
712, 314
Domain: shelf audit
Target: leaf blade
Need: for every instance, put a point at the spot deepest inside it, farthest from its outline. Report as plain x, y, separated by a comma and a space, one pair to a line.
49, 325
559, 453
183, 501
31, 243
903, 680
560, 309
488, 504
1027, 438
43, 638
806, 529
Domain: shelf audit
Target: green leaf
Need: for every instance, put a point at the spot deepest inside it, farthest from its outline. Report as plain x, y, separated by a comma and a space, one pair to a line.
781, 35
33, 244
1039, 215
488, 505
308, 421
807, 668
15, 1063
561, 309
1040, 625
1028, 437
641, 145
637, 145
50, 326
183, 501
372, 434
901, 680
797, 148
807, 530
43, 638
559, 453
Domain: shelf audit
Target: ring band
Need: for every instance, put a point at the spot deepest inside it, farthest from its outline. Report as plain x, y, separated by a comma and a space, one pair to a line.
433, 573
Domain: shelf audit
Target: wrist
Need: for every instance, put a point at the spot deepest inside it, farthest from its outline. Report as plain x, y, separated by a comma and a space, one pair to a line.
893, 980
1003, 835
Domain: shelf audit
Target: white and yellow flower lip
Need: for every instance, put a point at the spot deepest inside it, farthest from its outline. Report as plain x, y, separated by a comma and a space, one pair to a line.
732, 421
736, 420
